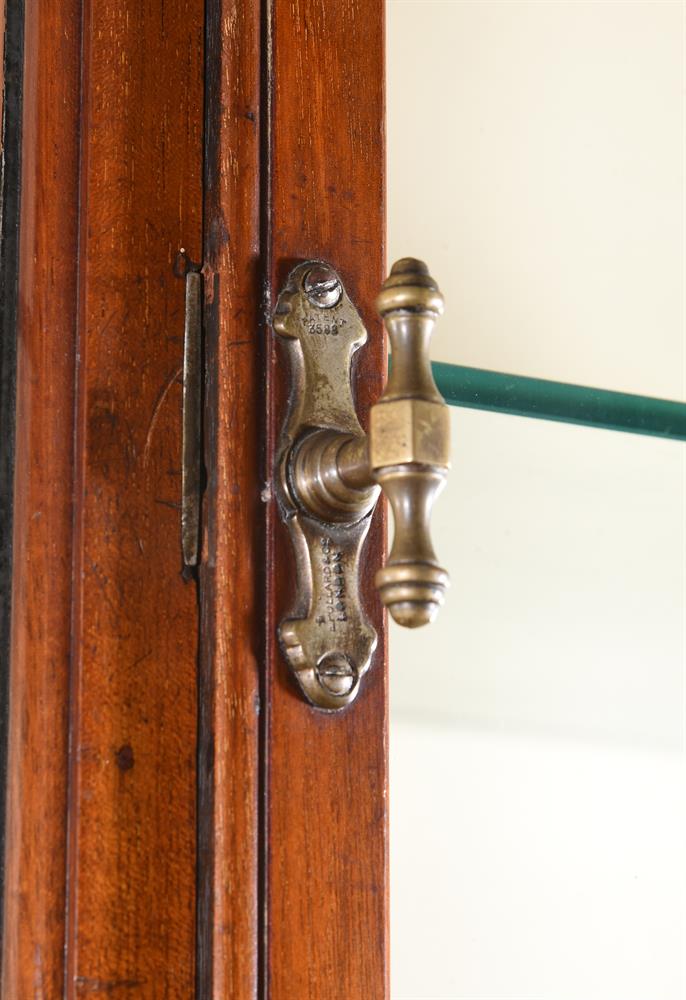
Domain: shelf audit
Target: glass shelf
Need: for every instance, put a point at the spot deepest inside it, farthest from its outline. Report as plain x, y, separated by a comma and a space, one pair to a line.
518, 395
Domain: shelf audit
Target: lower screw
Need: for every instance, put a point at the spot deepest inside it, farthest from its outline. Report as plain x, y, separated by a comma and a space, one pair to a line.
336, 674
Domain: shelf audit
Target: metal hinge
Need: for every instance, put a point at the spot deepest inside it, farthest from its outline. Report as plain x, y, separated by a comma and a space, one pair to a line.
191, 447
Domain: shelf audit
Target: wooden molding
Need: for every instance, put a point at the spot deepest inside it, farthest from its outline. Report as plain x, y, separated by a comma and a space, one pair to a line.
103, 710
36, 826
232, 574
326, 788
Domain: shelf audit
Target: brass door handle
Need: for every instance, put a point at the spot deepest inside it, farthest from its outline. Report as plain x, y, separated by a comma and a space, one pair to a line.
330, 471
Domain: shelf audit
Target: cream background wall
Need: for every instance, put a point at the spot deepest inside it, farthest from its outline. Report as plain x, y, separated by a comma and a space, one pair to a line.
536, 161
535, 158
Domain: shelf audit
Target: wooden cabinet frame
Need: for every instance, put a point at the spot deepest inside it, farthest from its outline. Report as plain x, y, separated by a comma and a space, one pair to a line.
180, 823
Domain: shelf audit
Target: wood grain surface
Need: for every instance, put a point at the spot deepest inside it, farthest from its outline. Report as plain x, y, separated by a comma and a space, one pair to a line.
141, 760
232, 573
36, 829
134, 700
102, 802
326, 819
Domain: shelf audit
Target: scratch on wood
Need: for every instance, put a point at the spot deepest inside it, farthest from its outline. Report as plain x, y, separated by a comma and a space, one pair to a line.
140, 659
168, 503
156, 409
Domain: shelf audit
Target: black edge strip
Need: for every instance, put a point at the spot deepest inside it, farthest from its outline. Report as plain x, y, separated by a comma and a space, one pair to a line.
205, 805
10, 182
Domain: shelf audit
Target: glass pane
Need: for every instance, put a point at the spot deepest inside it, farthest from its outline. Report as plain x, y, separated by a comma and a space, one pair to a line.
535, 161
538, 813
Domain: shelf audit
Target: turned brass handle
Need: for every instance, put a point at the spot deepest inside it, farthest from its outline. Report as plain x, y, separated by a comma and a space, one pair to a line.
409, 445
407, 452
329, 473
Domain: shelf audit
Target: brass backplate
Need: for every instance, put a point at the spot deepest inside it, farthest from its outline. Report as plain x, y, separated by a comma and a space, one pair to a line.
326, 639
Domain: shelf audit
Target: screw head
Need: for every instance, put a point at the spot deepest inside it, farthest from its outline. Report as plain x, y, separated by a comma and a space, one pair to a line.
322, 286
336, 674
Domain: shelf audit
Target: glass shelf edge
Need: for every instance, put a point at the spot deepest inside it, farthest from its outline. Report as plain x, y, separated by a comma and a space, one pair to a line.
521, 396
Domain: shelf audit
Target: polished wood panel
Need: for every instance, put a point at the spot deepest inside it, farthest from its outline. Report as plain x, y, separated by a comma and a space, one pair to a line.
232, 575
290, 851
36, 830
134, 706
326, 861
103, 703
